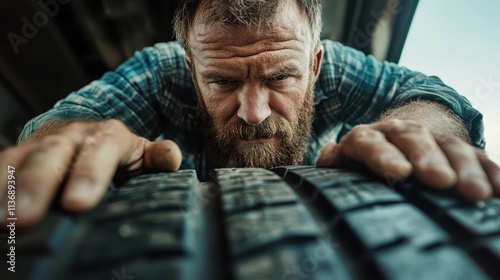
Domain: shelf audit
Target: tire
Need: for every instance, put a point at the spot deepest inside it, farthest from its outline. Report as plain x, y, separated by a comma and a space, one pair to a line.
287, 223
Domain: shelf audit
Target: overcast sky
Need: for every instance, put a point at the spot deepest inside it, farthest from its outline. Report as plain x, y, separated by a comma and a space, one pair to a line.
459, 41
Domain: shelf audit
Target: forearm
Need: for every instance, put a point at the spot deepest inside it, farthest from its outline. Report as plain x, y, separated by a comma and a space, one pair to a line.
438, 118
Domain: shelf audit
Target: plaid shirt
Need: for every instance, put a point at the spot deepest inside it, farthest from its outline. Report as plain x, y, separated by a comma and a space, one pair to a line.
154, 95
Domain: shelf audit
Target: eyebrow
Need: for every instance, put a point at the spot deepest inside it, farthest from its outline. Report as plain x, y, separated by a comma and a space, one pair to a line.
286, 69
216, 76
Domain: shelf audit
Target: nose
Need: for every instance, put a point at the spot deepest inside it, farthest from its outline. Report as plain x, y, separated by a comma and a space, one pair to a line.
254, 104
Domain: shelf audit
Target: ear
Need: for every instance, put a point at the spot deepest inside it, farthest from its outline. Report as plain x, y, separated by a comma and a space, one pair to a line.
190, 65
318, 58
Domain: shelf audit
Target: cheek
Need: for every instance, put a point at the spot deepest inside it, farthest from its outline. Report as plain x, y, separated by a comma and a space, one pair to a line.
221, 107
289, 103
218, 106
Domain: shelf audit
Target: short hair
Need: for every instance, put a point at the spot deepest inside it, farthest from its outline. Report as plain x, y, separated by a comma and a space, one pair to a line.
241, 13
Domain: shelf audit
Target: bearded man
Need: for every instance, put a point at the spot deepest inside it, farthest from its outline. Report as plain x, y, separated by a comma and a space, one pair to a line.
248, 84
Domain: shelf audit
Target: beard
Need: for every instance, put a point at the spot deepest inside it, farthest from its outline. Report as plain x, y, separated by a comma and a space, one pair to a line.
290, 137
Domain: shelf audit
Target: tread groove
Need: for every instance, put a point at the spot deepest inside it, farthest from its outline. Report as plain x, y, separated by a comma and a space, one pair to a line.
250, 223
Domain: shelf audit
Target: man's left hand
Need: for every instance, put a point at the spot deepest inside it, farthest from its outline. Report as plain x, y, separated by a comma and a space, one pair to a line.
396, 149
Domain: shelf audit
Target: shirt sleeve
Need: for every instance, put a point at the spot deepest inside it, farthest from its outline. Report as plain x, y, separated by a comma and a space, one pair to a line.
355, 88
131, 94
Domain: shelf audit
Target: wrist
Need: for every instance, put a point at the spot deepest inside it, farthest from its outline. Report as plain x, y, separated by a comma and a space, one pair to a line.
439, 119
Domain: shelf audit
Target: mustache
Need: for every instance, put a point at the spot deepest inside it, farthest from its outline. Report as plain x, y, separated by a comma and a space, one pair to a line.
273, 126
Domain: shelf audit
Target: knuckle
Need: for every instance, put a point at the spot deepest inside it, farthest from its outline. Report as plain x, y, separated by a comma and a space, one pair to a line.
417, 127
404, 126
89, 142
89, 147
362, 137
409, 138
358, 128
417, 155
394, 122
93, 136
375, 133
77, 126
450, 139
113, 124
375, 154
359, 131
412, 132
54, 140
364, 132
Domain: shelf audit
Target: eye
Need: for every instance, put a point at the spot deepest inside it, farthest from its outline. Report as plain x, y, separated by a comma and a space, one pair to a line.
223, 82
280, 78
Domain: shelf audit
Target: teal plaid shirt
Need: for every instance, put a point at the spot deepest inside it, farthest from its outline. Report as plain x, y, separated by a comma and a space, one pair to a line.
154, 95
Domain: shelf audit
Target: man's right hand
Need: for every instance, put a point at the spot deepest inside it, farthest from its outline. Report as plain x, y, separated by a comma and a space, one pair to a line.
85, 156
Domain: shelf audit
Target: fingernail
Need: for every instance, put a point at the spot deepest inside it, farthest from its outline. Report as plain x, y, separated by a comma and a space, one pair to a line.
478, 178
485, 189
396, 162
79, 189
400, 166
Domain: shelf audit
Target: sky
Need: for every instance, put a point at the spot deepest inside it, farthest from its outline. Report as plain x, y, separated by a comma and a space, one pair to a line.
459, 41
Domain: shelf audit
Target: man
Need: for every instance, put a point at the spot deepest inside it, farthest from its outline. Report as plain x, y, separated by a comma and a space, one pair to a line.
254, 87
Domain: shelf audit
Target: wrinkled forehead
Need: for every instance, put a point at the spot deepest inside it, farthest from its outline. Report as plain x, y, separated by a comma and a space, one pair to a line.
281, 22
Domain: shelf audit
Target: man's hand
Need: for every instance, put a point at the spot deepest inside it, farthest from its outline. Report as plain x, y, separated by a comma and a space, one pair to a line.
396, 149
84, 155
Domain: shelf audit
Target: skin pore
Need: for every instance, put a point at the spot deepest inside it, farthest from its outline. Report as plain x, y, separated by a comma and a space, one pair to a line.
255, 86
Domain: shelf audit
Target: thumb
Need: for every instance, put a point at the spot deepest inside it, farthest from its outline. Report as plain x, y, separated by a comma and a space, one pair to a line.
162, 156
328, 155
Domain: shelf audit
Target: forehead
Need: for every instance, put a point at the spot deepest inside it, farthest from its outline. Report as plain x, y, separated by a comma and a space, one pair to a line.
289, 24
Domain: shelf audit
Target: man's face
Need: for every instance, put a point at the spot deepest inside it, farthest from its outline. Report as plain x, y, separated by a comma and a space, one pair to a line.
255, 89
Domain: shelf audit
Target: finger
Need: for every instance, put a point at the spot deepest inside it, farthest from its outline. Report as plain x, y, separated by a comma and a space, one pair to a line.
328, 155
101, 153
162, 156
40, 174
11, 159
492, 171
472, 180
417, 143
370, 147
